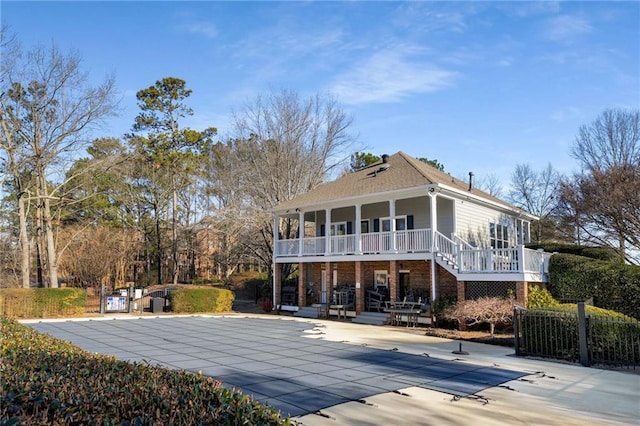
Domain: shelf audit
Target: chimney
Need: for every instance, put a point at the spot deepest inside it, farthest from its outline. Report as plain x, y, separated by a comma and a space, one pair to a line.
385, 158
470, 180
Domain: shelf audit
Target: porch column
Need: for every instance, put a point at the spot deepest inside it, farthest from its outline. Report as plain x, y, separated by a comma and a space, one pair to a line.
277, 285
328, 276
302, 287
433, 224
276, 232
521, 255
300, 233
358, 227
433, 219
393, 279
392, 224
327, 231
461, 291
359, 288
522, 292
433, 265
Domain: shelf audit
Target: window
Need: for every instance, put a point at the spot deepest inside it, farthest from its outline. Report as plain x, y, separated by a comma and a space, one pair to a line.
380, 279
401, 223
364, 226
499, 235
339, 228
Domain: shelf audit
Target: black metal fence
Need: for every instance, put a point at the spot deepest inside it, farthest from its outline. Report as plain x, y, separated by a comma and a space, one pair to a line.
577, 337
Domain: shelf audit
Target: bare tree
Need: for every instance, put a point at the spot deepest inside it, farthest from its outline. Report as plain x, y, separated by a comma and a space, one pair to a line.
611, 140
47, 108
488, 310
97, 254
287, 146
536, 192
603, 201
491, 185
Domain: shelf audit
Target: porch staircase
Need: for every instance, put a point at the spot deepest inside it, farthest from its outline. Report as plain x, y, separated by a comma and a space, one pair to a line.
372, 318
448, 264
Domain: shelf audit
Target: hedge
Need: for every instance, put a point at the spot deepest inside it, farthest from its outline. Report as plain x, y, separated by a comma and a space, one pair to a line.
41, 302
199, 300
613, 286
49, 381
598, 253
554, 331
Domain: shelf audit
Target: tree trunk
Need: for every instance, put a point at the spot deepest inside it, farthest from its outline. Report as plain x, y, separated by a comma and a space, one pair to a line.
24, 243
158, 246
39, 238
51, 245
174, 232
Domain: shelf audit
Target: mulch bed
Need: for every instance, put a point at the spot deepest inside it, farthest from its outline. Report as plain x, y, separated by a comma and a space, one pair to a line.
472, 336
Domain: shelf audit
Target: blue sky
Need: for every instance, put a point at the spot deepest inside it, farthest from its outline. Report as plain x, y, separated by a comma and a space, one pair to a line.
479, 86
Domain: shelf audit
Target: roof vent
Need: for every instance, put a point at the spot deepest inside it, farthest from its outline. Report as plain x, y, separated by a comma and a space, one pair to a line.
470, 180
382, 167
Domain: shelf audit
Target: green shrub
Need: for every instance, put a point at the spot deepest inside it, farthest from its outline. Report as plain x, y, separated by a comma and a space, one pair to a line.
539, 297
194, 300
42, 302
613, 286
553, 332
49, 381
598, 253
440, 306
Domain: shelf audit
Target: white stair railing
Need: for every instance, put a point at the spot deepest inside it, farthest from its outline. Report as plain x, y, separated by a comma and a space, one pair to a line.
446, 248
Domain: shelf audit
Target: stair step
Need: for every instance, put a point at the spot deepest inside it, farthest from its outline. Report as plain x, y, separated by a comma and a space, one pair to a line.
307, 312
371, 318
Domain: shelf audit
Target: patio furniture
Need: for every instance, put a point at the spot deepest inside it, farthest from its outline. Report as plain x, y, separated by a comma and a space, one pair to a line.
398, 309
343, 300
374, 300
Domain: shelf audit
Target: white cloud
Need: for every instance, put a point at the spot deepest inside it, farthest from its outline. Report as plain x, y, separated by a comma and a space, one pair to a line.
566, 27
206, 29
390, 75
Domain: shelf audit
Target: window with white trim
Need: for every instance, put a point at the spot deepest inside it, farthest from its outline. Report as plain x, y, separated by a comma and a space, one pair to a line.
498, 235
338, 228
401, 223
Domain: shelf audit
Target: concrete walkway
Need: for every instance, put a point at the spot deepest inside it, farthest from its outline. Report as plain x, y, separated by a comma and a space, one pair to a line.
338, 373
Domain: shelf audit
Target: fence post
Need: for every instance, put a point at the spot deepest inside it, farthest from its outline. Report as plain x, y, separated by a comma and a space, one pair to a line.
131, 298
102, 297
582, 334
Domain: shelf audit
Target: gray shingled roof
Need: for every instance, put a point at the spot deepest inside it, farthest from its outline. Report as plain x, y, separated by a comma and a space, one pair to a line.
403, 172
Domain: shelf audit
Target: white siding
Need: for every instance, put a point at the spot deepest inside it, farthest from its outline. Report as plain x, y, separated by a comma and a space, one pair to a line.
444, 207
472, 223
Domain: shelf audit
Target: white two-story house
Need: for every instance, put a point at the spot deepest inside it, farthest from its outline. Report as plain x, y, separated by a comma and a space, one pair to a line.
403, 228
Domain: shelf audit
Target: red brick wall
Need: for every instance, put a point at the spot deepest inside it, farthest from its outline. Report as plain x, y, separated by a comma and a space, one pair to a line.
447, 283
346, 272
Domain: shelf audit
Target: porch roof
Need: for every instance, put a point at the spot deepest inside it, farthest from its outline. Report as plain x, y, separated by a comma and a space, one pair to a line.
403, 172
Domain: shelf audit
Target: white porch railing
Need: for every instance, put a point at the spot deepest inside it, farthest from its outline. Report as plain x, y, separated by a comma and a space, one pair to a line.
343, 244
460, 255
314, 246
413, 240
536, 261
376, 242
490, 260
